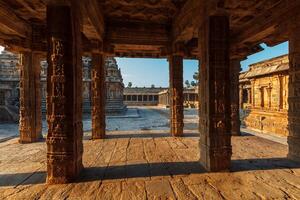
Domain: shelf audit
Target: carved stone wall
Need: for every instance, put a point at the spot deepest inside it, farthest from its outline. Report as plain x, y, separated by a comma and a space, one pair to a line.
214, 88
176, 95
64, 100
264, 96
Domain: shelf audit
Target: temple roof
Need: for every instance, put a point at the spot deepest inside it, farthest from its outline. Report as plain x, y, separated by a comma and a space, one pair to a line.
274, 65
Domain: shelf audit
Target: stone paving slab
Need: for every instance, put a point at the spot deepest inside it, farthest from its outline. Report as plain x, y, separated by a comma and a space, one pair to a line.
152, 165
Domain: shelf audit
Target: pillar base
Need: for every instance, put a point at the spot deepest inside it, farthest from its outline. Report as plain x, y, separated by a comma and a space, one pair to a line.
294, 148
98, 137
215, 159
31, 140
236, 133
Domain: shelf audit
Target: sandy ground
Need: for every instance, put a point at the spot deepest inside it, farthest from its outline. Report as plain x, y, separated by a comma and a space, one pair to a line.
150, 164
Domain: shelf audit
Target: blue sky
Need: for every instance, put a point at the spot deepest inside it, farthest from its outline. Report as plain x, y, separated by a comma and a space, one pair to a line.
145, 72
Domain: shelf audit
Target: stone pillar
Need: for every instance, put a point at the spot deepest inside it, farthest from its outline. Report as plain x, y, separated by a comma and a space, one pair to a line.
214, 98
241, 97
294, 94
253, 93
235, 68
30, 98
176, 92
64, 92
98, 96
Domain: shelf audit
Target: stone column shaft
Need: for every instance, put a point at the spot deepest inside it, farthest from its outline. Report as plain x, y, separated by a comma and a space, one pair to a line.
294, 94
235, 68
64, 93
30, 98
98, 96
214, 95
241, 97
176, 91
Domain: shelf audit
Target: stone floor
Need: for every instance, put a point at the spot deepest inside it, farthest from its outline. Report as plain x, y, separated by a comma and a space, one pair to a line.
146, 163
152, 165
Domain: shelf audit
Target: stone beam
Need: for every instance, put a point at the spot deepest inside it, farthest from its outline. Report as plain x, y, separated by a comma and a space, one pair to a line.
264, 25
136, 33
11, 24
188, 17
92, 11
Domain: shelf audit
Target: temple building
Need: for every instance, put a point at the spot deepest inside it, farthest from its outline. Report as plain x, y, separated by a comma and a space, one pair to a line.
10, 78
264, 96
190, 98
154, 96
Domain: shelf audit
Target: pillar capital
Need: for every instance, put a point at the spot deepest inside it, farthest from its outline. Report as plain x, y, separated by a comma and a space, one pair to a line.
58, 2
96, 47
178, 49
108, 49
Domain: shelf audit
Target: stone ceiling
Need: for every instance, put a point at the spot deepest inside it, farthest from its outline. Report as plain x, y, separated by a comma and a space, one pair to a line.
134, 27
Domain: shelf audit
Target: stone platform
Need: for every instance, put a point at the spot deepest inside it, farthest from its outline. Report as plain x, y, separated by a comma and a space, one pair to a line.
152, 165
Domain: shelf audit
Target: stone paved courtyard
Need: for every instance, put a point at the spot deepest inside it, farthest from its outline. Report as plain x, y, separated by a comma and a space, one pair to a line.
149, 164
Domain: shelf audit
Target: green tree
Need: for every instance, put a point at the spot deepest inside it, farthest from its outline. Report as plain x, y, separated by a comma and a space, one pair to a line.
152, 86
187, 83
129, 84
193, 83
196, 77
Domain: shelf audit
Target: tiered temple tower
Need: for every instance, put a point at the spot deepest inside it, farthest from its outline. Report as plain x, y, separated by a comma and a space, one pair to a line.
114, 87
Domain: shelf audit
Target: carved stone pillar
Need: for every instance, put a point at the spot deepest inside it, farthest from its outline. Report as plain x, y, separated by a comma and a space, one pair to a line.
64, 93
241, 97
253, 93
176, 92
235, 68
294, 92
214, 95
30, 98
98, 96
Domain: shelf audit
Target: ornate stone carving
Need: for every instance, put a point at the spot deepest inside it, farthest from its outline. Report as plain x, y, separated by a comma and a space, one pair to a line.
176, 92
64, 100
235, 68
30, 124
214, 109
98, 96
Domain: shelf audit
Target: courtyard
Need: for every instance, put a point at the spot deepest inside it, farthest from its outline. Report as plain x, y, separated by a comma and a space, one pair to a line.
146, 162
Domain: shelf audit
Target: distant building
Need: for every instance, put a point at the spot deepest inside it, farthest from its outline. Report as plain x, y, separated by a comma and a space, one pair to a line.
190, 98
142, 96
264, 94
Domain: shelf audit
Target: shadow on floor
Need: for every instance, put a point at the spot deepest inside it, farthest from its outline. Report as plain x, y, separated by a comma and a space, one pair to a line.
147, 135
146, 170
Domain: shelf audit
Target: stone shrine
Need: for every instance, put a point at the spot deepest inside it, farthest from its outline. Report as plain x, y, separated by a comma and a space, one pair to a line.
264, 96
